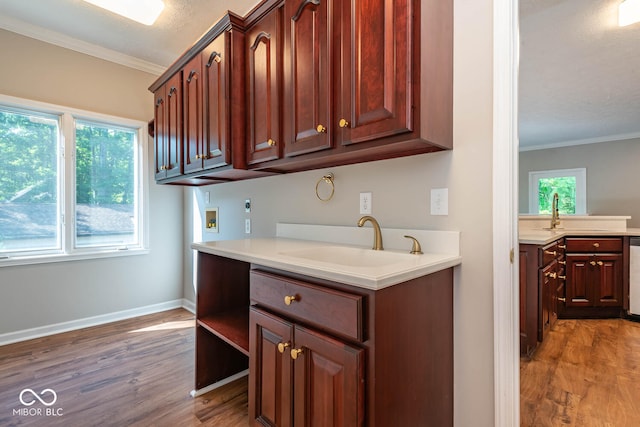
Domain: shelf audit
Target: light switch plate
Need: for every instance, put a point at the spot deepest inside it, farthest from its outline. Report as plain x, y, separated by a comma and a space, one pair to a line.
247, 226
439, 201
207, 197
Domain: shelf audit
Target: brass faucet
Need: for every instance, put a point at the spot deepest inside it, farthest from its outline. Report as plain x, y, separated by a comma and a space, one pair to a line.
377, 234
555, 216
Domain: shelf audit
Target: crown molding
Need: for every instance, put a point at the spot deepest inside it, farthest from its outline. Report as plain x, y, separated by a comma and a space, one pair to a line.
608, 138
67, 42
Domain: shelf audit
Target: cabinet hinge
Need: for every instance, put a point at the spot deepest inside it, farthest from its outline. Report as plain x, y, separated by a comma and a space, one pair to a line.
511, 255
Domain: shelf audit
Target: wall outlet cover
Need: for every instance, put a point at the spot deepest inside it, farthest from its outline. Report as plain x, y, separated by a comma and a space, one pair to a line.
439, 201
247, 226
366, 200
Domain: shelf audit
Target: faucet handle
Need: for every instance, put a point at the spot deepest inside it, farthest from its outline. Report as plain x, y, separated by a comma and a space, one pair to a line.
416, 249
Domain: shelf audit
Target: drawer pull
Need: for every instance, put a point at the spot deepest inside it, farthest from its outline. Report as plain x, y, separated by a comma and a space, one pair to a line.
282, 346
562, 299
554, 253
562, 262
592, 263
562, 246
290, 299
552, 275
596, 245
295, 352
600, 263
562, 277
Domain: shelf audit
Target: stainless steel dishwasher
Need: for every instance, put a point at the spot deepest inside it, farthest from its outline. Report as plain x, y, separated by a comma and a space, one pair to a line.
634, 276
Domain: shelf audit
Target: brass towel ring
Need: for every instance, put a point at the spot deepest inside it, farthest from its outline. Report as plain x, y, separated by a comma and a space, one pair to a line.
328, 178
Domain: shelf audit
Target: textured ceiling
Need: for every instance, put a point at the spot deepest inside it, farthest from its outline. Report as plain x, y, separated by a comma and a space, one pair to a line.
83, 26
579, 71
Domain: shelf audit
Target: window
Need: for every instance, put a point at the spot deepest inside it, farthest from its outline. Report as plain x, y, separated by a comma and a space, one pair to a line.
570, 184
71, 183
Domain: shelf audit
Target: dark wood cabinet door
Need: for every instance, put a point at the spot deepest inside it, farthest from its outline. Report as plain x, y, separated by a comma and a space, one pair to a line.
160, 132
608, 280
263, 89
579, 287
328, 381
193, 115
173, 147
216, 58
307, 70
270, 381
547, 283
374, 93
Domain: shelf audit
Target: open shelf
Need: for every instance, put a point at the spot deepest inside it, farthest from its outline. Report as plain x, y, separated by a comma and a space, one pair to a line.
230, 326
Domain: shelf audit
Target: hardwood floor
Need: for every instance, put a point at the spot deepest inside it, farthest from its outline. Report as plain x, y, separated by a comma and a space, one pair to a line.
136, 372
587, 373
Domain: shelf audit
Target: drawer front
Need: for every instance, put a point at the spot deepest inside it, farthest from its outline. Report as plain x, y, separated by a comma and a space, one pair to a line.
323, 308
547, 254
594, 244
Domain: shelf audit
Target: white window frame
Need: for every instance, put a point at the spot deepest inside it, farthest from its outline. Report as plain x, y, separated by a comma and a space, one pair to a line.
581, 187
67, 186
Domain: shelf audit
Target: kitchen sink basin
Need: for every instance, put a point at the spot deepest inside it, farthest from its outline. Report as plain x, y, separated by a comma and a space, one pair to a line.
354, 257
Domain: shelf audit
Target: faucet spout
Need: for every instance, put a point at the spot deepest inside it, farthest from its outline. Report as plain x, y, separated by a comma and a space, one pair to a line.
555, 215
377, 234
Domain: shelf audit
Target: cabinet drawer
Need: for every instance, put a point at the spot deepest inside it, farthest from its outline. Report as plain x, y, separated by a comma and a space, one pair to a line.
547, 254
323, 308
594, 244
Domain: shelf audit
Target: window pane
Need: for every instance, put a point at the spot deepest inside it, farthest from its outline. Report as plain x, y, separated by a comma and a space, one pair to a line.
565, 187
28, 181
106, 208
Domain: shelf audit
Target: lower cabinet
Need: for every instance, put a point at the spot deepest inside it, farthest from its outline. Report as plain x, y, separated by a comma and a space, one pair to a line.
326, 354
299, 375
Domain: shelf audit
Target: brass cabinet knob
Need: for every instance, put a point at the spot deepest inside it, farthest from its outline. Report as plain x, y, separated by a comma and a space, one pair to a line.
343, 123
552, 275
562, 277
562, 262
596, 245
562, 299
217, 58
600, 263
592, 263
271, 142
321, 129
289, 299
282, 346
562, 246
554, 253
295, 352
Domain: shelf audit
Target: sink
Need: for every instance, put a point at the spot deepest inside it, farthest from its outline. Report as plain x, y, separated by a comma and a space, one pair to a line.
354, 257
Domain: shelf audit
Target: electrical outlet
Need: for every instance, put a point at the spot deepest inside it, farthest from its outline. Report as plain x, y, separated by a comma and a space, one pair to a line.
247, 226
365, 203
247, 205
439, 201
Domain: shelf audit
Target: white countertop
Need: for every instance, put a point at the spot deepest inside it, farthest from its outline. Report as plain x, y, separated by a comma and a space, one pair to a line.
275, 252
542, 237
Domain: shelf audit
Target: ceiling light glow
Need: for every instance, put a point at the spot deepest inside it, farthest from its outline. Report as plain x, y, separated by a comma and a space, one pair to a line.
143, 11
628, 12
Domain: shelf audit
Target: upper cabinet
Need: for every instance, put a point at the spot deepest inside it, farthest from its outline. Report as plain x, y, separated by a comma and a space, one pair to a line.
263, 86
304, 84
168, 128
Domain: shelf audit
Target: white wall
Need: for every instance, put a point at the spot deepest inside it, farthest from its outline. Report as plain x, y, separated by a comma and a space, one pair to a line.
400, 190
44, 294
612, 175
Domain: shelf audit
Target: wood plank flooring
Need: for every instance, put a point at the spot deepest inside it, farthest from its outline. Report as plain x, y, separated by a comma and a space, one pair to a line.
136, 372
587, 373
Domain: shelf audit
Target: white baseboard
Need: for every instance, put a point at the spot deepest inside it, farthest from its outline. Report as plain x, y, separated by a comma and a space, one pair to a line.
207, 389
72, 325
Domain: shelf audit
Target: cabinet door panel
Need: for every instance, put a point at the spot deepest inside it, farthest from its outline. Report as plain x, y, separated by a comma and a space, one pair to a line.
173, 107
161, 132
263, 89
609, 280
375, 82
193, 114
329, 381
216, 129
579, 278
270, 373
307, 66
